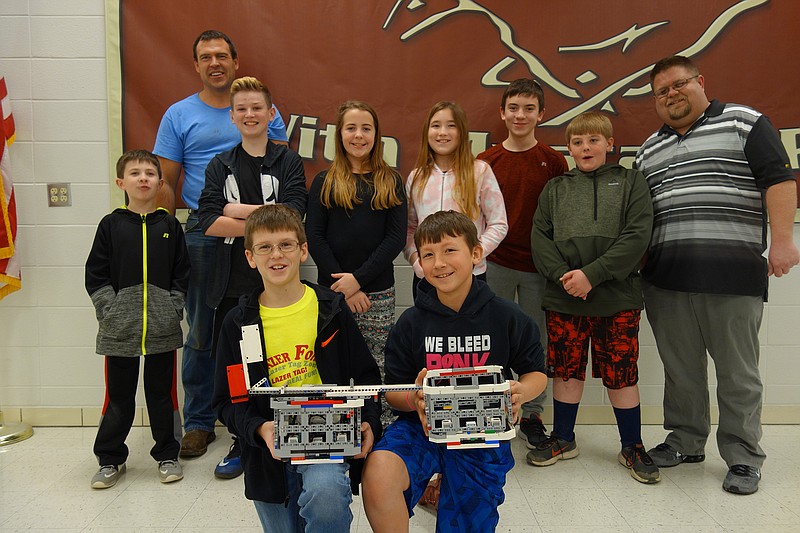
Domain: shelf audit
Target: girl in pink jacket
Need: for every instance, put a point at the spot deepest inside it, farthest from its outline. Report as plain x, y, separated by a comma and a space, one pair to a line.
447, 176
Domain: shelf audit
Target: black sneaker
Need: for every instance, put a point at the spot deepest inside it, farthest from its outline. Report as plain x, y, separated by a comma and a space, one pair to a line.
742, 479
532, 431
231, 465
642, 467
665, 456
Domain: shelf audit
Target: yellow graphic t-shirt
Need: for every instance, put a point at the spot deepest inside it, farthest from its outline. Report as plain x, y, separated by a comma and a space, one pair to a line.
289, 336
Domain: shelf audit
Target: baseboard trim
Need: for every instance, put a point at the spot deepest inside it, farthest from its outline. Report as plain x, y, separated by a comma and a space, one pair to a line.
588, 415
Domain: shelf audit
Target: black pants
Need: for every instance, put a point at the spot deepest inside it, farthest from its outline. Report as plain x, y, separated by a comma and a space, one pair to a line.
160, 390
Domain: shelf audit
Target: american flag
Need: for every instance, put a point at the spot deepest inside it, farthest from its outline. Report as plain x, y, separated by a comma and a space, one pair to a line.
10, 277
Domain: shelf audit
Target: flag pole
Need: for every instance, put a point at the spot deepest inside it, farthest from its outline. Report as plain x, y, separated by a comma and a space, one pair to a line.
11, 433
10, 279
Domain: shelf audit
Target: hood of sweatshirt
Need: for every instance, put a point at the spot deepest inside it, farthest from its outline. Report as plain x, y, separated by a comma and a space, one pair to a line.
479, 295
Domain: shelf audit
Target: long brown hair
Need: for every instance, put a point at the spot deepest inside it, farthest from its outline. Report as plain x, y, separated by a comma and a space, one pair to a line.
465, 190
340, 185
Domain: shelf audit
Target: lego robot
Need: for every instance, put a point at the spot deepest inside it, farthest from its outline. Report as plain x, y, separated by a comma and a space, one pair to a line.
465, 407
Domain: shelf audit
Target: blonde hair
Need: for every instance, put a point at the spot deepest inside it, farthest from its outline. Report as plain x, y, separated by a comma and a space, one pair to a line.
588, 123
340, 186
465, 191
248, 83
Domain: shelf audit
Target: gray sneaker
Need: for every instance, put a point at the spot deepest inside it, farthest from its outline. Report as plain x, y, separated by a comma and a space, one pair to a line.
742, 479
639, 463
107, 476
551, 450
665, 456
169, 471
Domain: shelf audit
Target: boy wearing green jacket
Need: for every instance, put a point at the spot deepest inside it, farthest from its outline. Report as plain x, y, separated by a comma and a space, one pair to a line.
590, 232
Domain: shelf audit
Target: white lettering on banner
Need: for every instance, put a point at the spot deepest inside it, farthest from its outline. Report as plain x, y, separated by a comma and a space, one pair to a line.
309, 131
791, 141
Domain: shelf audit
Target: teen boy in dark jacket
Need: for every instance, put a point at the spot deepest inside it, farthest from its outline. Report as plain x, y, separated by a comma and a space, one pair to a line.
253, 173
282, 181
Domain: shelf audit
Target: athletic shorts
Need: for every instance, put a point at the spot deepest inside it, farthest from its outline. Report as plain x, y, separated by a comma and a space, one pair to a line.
615, 347
472, 482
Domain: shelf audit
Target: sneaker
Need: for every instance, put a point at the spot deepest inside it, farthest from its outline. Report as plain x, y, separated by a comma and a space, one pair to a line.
107, 476
665, 456
742, 479
195, 442
551, 450
533, 431
169, 471
642, 467
231, 465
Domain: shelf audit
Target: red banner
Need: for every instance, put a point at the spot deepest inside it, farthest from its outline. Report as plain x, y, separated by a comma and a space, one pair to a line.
404, 56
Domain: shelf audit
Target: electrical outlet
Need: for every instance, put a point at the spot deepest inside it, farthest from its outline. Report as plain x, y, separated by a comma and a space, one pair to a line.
58, 195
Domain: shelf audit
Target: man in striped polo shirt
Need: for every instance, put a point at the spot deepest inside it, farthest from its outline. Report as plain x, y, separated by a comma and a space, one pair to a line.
715, 171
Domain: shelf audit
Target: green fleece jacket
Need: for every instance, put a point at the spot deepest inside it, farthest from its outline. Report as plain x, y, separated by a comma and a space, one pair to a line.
599, 222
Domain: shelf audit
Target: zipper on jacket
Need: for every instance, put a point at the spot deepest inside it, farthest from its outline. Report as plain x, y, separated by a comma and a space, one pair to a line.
594, 182
327, 319
144, 281
441, 195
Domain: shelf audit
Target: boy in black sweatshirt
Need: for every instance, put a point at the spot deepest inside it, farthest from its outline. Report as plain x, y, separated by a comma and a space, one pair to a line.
137, 274
452, 310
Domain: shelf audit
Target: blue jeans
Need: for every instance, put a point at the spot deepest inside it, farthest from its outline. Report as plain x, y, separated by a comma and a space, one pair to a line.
197, 371
319, 501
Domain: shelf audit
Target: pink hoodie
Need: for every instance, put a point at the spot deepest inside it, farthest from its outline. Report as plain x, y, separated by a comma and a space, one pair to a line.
438, 196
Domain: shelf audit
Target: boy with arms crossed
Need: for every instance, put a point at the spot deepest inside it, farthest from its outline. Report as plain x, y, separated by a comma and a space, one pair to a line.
253, 173
450, 304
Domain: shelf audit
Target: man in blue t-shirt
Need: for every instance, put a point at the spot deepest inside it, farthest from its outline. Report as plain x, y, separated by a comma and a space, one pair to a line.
193, 131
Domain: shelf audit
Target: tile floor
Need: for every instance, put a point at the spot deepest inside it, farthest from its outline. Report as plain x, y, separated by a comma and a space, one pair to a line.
44, 486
